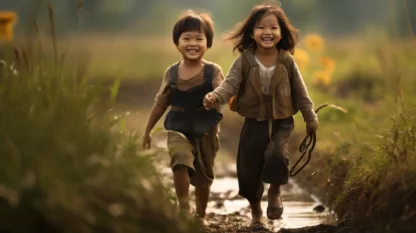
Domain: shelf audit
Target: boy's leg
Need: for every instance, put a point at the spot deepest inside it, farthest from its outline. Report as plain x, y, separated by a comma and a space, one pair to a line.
182, 183
201, 200
206, 148
182, 166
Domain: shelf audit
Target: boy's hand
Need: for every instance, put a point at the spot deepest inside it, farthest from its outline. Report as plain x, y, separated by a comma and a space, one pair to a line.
209, 101
147, 141
312, 126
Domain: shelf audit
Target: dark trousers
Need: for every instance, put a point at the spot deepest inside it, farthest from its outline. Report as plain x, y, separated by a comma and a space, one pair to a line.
260, 159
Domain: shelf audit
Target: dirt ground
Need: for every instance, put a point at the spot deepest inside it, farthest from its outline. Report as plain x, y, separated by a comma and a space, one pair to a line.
140, 96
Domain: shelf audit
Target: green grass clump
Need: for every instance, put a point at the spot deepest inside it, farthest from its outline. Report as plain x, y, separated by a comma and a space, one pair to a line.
67, 165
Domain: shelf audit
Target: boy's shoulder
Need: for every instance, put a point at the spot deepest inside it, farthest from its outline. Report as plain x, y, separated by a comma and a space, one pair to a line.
217, 67
168, 69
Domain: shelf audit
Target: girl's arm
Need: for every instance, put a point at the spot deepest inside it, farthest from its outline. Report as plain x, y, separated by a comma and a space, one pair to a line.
300, 93
231, 84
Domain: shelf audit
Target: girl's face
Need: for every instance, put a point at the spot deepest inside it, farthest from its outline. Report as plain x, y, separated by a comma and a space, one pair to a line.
192, 45
267, 32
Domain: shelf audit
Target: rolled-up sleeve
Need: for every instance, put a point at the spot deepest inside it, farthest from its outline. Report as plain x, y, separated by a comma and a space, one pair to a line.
162, 97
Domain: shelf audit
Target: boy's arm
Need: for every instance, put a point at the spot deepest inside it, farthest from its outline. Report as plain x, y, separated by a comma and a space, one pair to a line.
161, 104
157, 112
231, 84
300, 92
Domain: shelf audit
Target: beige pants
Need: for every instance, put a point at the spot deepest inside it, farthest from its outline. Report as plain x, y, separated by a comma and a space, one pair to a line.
197, 153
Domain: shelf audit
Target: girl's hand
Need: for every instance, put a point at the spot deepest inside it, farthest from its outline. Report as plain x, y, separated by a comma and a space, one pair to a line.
147, 141
209, 101
312, 126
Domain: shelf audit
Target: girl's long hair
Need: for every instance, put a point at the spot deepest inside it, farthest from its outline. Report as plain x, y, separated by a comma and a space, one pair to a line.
241, 35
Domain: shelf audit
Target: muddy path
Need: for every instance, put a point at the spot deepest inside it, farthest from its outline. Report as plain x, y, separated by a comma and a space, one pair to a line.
227, 211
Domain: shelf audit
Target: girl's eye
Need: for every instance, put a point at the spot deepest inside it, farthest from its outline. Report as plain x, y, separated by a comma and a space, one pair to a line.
260, 27
185, 38
200, 39
275, 28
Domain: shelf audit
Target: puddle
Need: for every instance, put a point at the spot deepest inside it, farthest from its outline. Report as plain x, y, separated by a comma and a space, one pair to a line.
226, 207
298, 205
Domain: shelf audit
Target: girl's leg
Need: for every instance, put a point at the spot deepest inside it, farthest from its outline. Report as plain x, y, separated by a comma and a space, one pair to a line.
250, 161
182, 182
275, 205
276, 167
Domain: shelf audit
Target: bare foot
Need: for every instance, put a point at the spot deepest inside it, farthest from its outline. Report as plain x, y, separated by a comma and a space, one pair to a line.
257, 218
275, 207
200, 219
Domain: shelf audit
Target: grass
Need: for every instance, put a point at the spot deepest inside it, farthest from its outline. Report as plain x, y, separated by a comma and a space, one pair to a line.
353, 168
67, 164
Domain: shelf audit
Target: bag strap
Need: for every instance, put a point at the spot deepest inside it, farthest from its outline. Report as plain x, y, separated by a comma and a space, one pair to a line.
208, 73
173, 75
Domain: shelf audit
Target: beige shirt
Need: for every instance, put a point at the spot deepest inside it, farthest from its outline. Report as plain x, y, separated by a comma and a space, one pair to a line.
266, 74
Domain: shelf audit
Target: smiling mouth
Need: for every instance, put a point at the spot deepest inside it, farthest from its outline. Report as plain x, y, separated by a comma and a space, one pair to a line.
192, 50
267, 39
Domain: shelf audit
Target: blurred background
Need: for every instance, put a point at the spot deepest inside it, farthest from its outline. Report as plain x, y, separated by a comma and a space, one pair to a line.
358, 55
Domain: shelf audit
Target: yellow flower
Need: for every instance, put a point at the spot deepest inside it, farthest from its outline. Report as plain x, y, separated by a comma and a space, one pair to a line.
301, 57
7, 21
314, 42
329, 64
322, 77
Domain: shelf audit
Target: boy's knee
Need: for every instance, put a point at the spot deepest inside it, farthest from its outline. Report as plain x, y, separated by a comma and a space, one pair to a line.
204, 185
180, 169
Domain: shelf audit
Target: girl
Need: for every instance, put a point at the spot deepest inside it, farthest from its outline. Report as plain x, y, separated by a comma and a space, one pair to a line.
264, 85
192, 137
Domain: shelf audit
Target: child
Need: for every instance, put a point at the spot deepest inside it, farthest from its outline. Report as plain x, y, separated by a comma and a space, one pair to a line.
193, 131
268, 90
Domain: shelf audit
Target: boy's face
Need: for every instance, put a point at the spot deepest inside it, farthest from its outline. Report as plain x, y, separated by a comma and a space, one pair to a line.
267, 32
192, 45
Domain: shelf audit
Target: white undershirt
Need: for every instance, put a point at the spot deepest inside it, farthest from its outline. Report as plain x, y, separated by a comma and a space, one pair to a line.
266, 74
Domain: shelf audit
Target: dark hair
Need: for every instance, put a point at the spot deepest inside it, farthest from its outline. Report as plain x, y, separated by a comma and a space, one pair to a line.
193, 21
242, 34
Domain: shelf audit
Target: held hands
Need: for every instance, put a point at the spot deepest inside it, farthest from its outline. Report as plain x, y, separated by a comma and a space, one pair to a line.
209, 101
312, 126
147, 141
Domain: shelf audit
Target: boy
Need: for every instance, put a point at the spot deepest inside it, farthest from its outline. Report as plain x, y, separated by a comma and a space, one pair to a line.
193, 130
